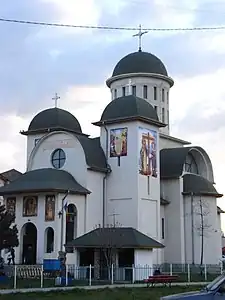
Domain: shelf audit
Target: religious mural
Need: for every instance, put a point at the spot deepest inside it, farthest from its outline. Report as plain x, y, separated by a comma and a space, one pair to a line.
148, 152
30, 204
50, 208
118, 142
11, 205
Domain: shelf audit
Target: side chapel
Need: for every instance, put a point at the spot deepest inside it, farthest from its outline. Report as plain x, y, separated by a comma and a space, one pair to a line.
136, 178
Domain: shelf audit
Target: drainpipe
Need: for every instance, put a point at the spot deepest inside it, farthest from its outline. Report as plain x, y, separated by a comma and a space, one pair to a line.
105, 177
192, 228
62, 220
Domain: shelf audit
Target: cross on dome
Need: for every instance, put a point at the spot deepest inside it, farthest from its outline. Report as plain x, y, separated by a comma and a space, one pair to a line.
114, 215
129, 85
56, 98
139, 34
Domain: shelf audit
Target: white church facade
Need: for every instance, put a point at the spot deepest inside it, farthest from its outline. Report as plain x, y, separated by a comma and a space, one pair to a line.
135, 187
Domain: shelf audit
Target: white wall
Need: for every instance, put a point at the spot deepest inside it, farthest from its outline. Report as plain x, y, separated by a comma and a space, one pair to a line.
39, 222
75, 158
174, 222
31, 143
81, 204
1, 197
94, 200
151, 82
149, 201
143, 262
128, 195
122, 190
212, 230
162, 215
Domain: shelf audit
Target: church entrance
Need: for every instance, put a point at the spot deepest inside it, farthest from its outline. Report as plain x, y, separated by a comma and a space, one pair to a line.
29, 244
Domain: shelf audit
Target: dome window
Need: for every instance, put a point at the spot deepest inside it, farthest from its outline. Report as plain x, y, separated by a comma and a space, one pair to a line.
58, 158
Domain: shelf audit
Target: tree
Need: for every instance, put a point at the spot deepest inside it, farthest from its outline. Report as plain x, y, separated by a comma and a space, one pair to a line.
202, 225
108, 247
8, 230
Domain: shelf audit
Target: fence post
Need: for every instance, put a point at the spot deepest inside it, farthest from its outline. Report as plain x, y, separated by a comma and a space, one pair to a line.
189, 273
221, 267
90, 275
66, 279
112, 276
171, 269
15, 277
205, 272
133, 274
42, 275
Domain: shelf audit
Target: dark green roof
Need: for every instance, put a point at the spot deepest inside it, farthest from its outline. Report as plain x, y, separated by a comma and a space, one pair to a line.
94, 154
129, 108
140, 62
53, 119
198, 185
172, 161
220, 211
115, 237
11, 175
44, 180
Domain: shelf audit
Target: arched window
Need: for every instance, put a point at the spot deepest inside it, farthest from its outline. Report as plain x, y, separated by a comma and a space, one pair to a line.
190, 164
71, 224
49, 240
58, 158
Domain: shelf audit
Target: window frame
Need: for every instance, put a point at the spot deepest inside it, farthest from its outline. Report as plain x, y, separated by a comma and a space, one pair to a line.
59, 159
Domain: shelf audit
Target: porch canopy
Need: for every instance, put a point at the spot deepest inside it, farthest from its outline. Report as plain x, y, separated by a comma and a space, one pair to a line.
44, 180
115, 237
199, 186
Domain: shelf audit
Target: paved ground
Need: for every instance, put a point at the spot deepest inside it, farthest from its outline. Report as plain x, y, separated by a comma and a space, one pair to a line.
93, 287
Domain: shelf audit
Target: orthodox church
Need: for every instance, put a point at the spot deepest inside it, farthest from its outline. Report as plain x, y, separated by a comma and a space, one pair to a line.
135, 188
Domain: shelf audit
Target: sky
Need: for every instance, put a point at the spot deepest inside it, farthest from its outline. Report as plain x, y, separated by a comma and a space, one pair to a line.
38, 61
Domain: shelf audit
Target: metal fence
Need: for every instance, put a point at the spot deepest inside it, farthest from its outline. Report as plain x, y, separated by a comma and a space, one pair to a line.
22, 276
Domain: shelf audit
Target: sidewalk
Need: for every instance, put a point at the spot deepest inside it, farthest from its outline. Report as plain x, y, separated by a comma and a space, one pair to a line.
92, 287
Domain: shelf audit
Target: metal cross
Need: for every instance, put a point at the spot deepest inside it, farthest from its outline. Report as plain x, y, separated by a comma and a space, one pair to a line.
139, 34
56, 98
114, 218
129, 87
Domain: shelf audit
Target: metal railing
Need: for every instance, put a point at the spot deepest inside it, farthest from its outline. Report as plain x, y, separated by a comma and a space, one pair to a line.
35, 276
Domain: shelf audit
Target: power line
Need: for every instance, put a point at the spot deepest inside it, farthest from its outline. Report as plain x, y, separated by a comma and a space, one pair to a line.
111, 27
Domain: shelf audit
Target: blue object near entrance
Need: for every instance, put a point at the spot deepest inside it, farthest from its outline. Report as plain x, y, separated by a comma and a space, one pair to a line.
3, 278
51, 265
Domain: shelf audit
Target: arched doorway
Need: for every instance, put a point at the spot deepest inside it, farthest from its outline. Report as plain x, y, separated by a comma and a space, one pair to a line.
29, 244
49, 240
71, 224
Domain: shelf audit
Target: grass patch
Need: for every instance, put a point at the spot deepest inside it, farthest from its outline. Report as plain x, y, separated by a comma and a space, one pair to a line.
103, 294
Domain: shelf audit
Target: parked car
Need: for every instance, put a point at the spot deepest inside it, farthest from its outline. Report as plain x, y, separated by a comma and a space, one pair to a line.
213, 291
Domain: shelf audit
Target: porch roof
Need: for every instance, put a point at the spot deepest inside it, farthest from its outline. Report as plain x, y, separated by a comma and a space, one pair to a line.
198, 185
43, 180
115, 237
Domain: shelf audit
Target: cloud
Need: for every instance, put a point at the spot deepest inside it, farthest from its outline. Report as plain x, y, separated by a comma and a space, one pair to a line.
37, 61
12, 144
201, 99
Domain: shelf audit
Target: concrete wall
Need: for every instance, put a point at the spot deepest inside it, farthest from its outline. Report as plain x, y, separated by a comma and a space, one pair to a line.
211, 230
174, 223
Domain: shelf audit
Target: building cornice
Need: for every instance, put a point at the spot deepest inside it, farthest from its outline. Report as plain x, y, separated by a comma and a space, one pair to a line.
168, 79
169, 137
